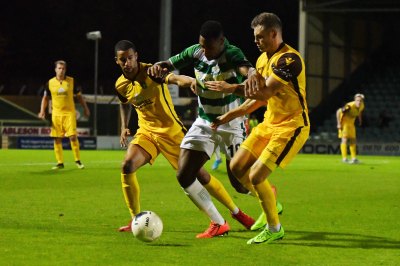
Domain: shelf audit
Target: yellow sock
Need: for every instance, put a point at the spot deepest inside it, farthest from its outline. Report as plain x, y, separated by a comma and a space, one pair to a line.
353, 151
268, 202
218, 191
343, 149
58, 150
131, 191
75, 149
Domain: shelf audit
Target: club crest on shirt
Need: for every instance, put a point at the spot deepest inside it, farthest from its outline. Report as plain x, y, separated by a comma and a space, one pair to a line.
61, 91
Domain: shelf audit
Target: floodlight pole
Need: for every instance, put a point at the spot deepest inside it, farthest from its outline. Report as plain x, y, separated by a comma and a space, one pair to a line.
95, 36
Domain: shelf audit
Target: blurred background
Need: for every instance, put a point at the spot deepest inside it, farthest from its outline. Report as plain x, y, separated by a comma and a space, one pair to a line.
349, 46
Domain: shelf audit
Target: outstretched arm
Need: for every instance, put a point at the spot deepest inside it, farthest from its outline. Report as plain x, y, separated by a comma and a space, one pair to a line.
245, 108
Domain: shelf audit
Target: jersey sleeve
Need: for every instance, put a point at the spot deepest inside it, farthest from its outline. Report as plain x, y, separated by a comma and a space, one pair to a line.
237, 57
185, 58
47, 90
288, 66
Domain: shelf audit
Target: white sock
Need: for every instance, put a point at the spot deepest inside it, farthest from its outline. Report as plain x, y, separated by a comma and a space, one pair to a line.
275, 228
200, 196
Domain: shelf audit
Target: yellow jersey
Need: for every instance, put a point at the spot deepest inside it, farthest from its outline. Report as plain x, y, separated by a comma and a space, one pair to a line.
152, 101
350, 112
62, 95
288, 107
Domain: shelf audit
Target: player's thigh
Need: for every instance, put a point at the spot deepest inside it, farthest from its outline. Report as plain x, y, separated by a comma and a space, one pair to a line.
57, 130
349, 131
146, 142
285, 143
200, 137
69, 125
169, 147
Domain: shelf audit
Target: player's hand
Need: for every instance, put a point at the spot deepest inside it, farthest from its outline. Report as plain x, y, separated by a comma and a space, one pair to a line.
253, 85
221, 86
156, 71
193, 87
42, 115
123, 140
220, 120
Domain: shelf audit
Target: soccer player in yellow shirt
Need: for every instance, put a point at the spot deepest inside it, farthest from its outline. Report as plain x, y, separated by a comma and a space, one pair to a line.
278, 82
160, 131
346, 117
61, 90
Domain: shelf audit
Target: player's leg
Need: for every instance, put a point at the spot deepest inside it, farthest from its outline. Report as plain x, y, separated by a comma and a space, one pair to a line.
352, 144
283, 146
218, 191
57, 134
190, 163
76, 151
140, 152
274, 231
343, 134
69, 125
58, 151
218, 159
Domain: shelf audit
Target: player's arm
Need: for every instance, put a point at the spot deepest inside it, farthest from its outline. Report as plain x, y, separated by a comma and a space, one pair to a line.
43, 106
245, 108
338, 118
82, 101
180, 80
125, 115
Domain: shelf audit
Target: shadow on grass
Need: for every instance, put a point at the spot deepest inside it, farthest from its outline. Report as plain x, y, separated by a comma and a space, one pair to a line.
335, 240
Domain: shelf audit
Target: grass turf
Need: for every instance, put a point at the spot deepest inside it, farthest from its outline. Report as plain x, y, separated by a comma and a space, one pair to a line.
334, 214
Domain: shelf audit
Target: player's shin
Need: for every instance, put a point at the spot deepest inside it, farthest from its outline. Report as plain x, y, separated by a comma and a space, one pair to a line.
199, 195
75, 149
268, 203
58, 151
131, 191
218, 191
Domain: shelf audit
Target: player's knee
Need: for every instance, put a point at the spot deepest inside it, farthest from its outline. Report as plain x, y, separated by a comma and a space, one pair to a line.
127, 166
184, 179
236, 169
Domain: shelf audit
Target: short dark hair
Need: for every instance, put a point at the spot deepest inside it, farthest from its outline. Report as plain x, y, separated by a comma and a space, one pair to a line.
211, 29
267, 20
124, 45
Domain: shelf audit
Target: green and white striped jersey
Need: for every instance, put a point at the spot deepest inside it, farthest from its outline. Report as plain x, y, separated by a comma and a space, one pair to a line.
225, 67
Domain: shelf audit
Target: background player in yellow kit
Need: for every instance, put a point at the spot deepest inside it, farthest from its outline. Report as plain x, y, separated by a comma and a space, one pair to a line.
61, 90
160, 131
346, 117
279, 81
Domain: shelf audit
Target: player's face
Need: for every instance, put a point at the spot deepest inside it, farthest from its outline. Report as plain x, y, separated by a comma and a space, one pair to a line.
212, 48
358, 101
60, 70
127, 60
264, 39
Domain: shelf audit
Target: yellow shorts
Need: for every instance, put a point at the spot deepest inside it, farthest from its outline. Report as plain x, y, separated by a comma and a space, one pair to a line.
155, 144
63, 125
347, 131
275, 146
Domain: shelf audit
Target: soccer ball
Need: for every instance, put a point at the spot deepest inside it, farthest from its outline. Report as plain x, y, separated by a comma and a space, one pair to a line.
147, 226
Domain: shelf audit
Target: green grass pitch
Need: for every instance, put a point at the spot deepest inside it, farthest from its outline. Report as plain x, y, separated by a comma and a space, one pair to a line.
334, 214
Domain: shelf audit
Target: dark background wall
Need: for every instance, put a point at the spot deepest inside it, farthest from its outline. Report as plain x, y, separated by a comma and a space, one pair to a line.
33, 34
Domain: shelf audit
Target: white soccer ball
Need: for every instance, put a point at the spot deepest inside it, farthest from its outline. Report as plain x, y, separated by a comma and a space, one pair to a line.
147, 226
